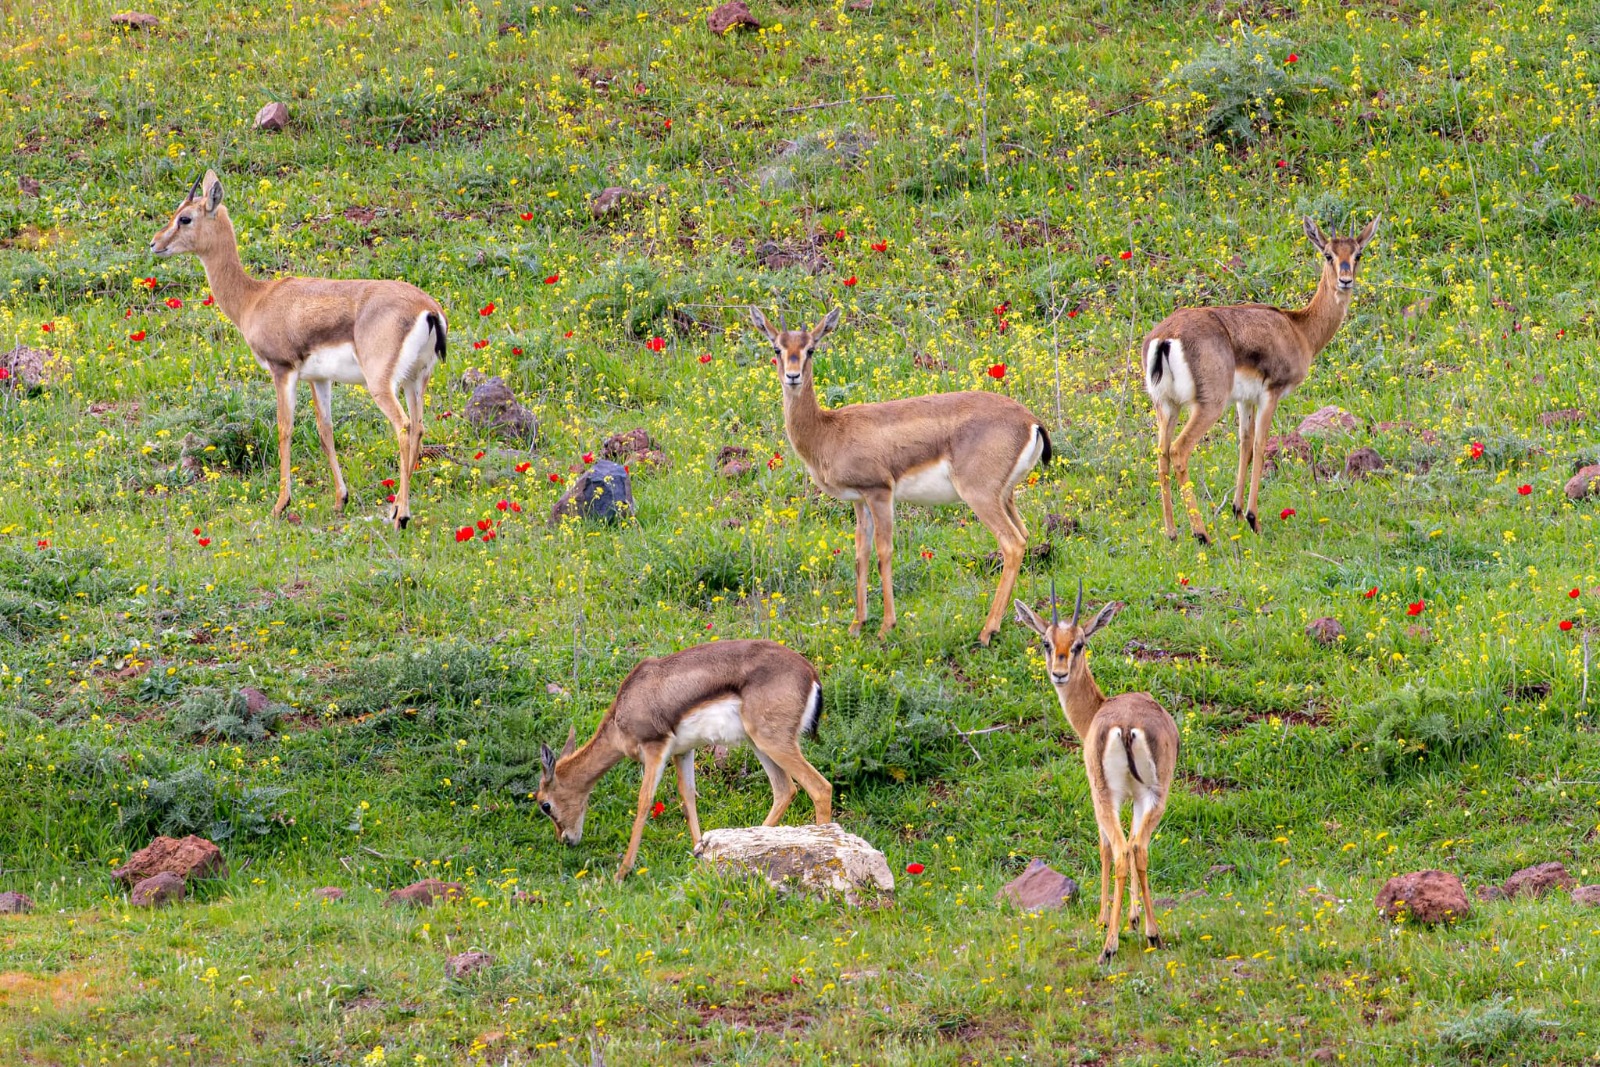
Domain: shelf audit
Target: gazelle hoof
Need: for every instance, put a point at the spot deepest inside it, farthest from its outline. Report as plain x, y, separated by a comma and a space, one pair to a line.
1253, 520
1154, 940
1238, 512
855, 629
1107, 954
1203, 538
340, 501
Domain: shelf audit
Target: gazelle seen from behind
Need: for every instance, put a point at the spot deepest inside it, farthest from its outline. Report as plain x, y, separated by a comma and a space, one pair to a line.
1130, 750
945, 448
1247, 355
723, 693
385, 335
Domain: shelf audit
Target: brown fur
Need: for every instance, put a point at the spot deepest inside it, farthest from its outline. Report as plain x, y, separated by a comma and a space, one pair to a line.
777, 686
1271, 345
1094, 718
284, 320
859, 452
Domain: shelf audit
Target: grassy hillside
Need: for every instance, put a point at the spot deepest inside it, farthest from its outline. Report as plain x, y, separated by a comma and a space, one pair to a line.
1029, 196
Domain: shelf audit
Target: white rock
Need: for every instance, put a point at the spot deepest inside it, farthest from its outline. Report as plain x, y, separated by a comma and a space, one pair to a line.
820, 859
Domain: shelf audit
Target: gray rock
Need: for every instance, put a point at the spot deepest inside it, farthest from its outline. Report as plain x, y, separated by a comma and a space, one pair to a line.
493, 407
1325, 630
824, 860
272, 117
15, 903
603, 492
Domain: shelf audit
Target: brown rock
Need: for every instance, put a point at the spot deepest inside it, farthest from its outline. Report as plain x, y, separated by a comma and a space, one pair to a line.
135, 18
621, 447
1560, 418
157, 891
1326, 420
494, 407
735, 14
526, 897
731, 452
1538, 880
1582, 894
272, 117
1325, 630
1362, 462
188, 858
1583, 483
1288, 446
1418, 632
1427, 897
32, 368
1219, 869
327, 892
255, 701
1039, 887
15, 903
1489, 893
422, 894
610, 199
466, 963
735, 468
28, 186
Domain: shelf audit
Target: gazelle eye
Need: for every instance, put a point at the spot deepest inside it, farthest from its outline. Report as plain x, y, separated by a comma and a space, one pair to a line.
184, 220
544, 806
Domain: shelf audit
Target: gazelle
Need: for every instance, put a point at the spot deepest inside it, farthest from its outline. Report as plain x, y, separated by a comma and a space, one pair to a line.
723, 693
385, 335
1247, 355
970, 447
1130, 749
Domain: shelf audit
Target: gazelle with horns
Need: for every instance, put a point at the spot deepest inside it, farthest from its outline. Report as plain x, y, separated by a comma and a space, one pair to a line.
972, 448
723, 693
384, 335
1130, 750
1247, 355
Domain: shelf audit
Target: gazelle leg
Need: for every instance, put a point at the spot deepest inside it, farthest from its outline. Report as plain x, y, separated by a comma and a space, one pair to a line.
1146, 816
1247, 436
655, 761
415, 415
1263, 428
797, 767
383, 394
882, 505
322, 403
1201, 419
687, 794
863, 562
1164, 416
1121, 857
284, 383
1107, 858
782, 788
1013, 548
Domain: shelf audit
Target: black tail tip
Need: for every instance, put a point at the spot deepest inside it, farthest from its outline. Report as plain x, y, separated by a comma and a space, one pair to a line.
1049, 452
1157, 358
436, 322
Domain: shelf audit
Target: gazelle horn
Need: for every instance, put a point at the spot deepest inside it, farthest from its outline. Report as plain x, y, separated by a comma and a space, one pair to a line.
1078, 607
195, 188
1055, 608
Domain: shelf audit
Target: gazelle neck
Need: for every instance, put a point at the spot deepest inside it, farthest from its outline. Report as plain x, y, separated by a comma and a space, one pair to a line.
802, 415
1321, 319
1080, 700
234, 289
588, 765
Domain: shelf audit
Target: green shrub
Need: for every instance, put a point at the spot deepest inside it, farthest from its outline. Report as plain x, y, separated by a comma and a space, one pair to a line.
871, 732
1418, 726
221, 715
1247, 86
1492, 1030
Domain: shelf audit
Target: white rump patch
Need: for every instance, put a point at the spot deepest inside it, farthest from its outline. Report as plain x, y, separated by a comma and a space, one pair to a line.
1177, 380
716, 723
418, 356
333, 363
1029, 458
808, 721
1248, 389
927, 485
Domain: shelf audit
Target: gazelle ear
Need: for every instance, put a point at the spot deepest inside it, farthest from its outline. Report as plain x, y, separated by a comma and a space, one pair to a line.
1367, 233
1025, 615
763, 325
1314, 234
1107, 613
547, 757
572, 741
211, 185
825, 327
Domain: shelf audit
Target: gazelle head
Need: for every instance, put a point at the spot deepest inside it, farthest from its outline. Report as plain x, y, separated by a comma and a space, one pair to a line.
195, 225
1340, 255
794, 347
1064, 642
565, 802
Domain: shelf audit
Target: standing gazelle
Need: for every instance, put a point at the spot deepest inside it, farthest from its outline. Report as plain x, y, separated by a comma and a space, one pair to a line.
724, 693
1247, 355
385, 335
1130, 749
971, 447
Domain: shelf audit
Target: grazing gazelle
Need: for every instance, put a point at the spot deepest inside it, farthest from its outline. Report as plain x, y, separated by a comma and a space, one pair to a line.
1247, 355
385, 335
1130, 749
940, 449
724, 693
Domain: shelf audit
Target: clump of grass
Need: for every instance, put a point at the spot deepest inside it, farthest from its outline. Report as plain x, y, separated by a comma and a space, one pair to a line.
1247, 86
1421, 726
629, 295
873, 733
1492, 1029
227, 716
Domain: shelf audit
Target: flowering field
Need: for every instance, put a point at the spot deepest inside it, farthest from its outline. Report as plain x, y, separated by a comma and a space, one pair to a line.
1006, 207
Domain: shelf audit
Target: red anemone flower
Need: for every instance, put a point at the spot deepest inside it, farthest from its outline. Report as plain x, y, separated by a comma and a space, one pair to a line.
880, 246
1524, 490
588, 457
208, 301
915, 868
174, 303
203, 542
1565, 624
551, 279
656, 344
850, 280
487, 309
463, 534
1416, 607
137, 335
705, 357
997, 371
527, 216
1287, 513
1126, 254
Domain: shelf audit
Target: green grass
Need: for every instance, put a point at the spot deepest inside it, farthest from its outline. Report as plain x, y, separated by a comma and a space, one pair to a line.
414, 677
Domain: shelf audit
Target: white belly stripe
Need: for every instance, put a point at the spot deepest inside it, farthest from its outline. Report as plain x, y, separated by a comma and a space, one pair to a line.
716, 723
335, 363
928, 485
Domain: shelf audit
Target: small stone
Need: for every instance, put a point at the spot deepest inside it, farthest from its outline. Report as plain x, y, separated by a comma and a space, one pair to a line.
825, 860
272, 117
1584, 482
526, 898
494, 407
622, 447
735, 468
604, 492
15, 903
1489, 893
1427, 897
255, 701
1362, 462
157, 891
32, 369
610, 199
1039, 887
422, 894
1219, 869
1560, 418
1418, 632
28, 186
327, 892
1583, 894
188, 858
735, 14
468, 963
1538, 880
135, 18
1325, 630
1287, 446
1330, 419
